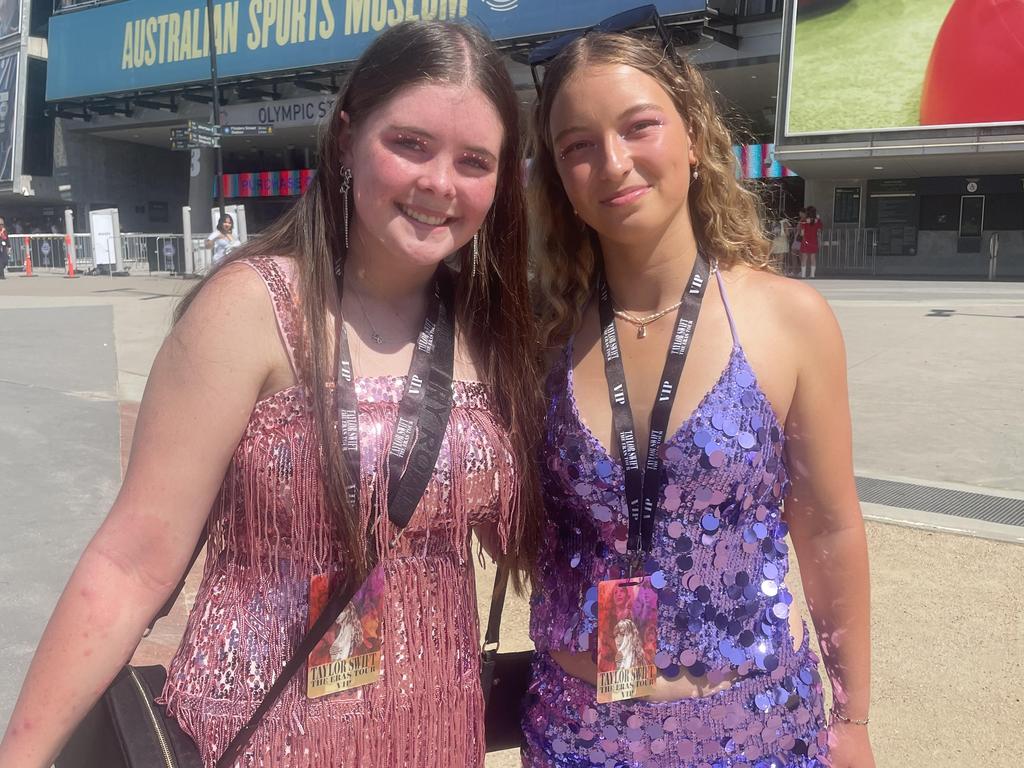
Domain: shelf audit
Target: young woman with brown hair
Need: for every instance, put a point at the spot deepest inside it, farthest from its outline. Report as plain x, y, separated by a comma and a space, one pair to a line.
671, 330
239, 429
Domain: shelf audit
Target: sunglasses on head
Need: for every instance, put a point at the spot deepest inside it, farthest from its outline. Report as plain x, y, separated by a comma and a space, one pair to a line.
634, 20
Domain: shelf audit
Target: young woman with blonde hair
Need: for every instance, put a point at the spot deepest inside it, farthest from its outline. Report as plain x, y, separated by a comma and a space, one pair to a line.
670, 329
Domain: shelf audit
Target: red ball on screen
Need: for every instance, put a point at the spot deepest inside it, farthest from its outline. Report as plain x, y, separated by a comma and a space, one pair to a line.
976, 71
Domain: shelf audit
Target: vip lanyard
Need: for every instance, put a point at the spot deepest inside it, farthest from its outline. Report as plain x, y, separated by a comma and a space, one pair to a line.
422, 415
643, 487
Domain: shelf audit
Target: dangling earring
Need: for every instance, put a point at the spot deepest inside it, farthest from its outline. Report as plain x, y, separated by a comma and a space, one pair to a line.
346, 187
476, 255
696, 173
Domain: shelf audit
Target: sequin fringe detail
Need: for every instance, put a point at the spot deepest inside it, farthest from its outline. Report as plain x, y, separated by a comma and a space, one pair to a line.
269, 533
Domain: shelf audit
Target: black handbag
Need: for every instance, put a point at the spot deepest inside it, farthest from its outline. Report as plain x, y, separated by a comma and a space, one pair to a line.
504, 677
126, 728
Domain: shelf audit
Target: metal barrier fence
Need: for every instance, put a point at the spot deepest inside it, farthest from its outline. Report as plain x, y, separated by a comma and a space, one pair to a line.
202, 257
164, 252
847, 251
140, 253
49, 253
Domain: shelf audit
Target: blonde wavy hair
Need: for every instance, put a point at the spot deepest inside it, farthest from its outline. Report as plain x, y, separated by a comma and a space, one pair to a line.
724, 213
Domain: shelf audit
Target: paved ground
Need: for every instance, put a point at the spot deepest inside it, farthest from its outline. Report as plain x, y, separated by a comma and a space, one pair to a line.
936, 395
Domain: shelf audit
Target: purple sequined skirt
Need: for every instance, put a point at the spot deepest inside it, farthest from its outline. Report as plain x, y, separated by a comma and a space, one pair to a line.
773, 720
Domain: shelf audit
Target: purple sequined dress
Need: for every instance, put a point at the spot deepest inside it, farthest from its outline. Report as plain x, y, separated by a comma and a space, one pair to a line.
719, 563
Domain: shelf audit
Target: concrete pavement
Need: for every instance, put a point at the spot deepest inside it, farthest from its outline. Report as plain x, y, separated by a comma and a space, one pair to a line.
936, 372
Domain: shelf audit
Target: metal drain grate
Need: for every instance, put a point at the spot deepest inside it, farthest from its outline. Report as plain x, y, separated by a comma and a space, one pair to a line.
926, 498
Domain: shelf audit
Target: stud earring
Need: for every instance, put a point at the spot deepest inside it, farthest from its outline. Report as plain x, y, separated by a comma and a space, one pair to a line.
346, 187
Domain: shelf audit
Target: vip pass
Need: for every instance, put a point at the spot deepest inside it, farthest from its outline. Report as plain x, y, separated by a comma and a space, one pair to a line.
627, 623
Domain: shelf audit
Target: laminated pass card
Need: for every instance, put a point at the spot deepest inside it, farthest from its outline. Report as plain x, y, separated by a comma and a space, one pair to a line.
627, 633
348, 655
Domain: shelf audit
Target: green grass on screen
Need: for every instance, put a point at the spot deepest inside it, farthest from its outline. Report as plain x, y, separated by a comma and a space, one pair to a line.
862, 65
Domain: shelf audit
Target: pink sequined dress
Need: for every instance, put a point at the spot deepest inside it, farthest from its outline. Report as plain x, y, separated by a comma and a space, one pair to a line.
269, 534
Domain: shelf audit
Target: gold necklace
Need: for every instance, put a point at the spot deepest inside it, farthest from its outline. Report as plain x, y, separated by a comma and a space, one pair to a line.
641, 323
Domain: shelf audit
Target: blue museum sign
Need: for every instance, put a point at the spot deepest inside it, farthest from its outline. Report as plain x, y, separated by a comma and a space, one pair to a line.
137, 45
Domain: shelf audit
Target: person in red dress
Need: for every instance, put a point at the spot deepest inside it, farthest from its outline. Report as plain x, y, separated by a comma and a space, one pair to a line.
810, 230
5, 244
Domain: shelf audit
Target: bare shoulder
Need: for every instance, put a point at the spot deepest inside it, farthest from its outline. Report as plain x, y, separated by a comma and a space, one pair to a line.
235, 297
230, 322
788, 316
791, 305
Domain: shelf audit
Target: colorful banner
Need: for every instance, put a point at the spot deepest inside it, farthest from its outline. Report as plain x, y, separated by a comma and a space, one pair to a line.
146, 44
871, 66
265, 183
757, 161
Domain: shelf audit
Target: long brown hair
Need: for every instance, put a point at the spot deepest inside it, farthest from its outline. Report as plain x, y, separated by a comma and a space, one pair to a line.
724, 213
493, 309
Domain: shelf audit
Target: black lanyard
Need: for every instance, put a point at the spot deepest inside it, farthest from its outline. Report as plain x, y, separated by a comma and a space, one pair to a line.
422, 415
644, 487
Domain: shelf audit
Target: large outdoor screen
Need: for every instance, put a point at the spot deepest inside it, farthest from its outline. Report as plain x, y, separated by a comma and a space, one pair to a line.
879, 65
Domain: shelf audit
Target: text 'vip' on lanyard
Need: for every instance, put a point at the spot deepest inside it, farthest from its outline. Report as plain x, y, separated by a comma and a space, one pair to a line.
643, 487
422, 415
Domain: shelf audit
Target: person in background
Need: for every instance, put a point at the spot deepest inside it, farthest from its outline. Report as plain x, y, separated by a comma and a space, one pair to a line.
5, 245
810, 232
781, 233
222, 239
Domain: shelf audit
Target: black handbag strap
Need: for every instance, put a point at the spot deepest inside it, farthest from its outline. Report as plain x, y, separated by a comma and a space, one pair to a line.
337, 603
173, 598
489, 654
492, 635
341, 597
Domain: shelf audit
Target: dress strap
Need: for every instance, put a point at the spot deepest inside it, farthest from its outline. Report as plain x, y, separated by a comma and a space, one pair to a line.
725, 303
277, 276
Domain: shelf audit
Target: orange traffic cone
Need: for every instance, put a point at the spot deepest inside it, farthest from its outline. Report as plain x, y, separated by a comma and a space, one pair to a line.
28, 258
70, 251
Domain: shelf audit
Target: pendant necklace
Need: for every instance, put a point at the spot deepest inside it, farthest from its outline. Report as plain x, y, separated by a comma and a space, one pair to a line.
377, 338
641, 323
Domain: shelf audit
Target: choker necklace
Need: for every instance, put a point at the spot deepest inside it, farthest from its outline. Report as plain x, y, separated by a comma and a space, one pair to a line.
641, 323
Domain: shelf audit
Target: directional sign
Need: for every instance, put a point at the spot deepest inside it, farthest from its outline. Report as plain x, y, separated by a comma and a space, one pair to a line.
183, 138
247, 130
204, 140
197, 128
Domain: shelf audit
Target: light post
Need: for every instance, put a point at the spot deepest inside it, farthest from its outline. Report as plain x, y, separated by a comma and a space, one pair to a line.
216, 103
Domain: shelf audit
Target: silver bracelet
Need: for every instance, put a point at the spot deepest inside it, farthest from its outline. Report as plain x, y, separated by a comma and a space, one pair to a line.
844, 719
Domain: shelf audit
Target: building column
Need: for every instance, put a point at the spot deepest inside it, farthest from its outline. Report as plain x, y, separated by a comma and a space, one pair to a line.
202, 175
